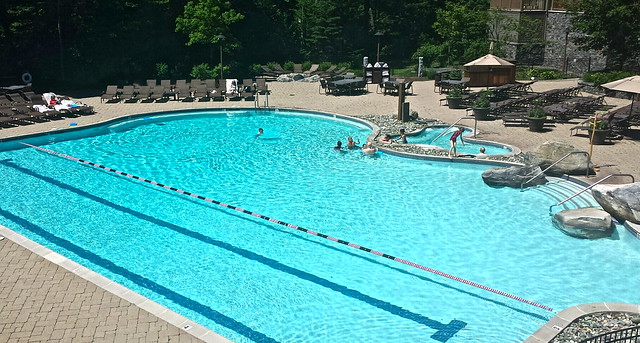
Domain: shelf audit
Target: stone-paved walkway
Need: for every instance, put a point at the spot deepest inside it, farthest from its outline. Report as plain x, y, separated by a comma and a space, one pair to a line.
41, 301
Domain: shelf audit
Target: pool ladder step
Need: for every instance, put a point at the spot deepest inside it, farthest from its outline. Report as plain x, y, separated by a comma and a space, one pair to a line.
560, 189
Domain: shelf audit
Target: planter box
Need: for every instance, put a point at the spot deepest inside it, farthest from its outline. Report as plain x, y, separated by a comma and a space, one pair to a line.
599, 136
454, 103
481, 113
536, 124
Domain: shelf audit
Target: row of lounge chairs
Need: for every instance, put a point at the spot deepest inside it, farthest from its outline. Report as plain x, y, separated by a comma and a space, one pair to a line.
617, 120
25, 107
181, 90
297, 68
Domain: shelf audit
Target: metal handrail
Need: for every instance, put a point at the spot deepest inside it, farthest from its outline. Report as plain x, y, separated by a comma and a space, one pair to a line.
475, 127
558, 161
631, 334
588, 188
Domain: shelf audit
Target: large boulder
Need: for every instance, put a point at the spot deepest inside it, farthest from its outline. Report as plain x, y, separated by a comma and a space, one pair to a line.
550, 152
622, 201
588, 222
514, 176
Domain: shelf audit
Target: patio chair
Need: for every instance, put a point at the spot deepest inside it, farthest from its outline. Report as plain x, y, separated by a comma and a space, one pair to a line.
156, 94
328, 71
340, 71
151, 83
217, 94
297, 68
110, 94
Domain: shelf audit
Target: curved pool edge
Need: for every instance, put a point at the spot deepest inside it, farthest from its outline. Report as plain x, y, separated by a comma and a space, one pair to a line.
118, 290
569, 315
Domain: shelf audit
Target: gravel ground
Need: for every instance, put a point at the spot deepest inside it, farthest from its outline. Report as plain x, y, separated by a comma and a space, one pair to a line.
596, 324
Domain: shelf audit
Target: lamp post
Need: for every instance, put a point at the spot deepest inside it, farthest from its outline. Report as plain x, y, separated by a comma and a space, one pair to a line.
220, 39
378, 34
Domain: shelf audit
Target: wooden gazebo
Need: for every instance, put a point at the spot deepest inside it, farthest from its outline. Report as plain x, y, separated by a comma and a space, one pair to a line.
490, 70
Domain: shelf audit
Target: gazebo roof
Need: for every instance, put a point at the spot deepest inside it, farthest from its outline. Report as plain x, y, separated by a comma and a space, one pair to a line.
489, 60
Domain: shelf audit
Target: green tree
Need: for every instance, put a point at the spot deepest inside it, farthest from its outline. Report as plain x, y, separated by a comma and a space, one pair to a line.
611, 26
204, 20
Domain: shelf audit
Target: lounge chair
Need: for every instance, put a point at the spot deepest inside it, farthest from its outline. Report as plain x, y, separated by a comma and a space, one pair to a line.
193, 83
128, 94
110, 95
312, 70
261, 86
201, 93
278, 68
143, 93
266, 71
248, 85
217, 94
232, 91
297, 68
329, 71
340, 71
156, 94
152, 83
183, 91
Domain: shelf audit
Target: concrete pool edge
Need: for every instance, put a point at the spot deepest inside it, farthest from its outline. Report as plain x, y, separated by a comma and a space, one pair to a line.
148, 305
567, 316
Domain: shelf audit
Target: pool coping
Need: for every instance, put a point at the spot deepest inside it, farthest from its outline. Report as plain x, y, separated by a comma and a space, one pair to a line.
156, 309
567, 316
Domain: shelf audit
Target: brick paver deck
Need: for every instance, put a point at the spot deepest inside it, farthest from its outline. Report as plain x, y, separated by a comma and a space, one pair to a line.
42, 301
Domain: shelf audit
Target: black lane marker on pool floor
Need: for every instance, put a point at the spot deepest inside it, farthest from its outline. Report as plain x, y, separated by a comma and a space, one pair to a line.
311, 232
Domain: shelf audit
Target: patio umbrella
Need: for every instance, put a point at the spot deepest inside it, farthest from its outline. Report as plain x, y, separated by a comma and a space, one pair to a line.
628, 84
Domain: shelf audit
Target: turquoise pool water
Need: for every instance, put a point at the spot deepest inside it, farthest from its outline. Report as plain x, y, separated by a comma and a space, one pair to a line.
254, 281
428, 135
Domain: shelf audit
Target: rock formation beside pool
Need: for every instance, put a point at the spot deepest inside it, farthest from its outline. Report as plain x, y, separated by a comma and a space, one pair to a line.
587, 222
514, 176
550, 152
621, 201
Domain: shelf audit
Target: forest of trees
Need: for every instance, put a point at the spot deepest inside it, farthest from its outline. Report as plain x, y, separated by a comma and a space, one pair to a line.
78, 43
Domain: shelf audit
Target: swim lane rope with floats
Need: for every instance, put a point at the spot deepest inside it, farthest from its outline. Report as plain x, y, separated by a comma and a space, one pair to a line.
311, 232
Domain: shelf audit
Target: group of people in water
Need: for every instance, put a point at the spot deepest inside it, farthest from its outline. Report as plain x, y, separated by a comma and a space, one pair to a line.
369, 149
366, 148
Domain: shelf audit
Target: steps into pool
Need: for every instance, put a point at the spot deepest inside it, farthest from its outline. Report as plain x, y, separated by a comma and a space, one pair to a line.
560, 189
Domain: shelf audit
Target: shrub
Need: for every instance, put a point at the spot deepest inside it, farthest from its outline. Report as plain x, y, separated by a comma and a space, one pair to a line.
541, 74
536, 112
483, 100
430, 73
202, 71
162, 70
598, 78
288, 65
455, 93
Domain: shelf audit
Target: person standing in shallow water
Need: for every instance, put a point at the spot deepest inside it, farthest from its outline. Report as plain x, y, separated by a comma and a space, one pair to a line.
403, 137
453, 139
260, 132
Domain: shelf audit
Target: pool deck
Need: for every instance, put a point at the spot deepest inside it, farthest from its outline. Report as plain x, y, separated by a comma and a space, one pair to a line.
46, 297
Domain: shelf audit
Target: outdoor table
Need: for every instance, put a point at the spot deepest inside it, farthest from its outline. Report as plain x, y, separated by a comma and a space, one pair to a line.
346, 85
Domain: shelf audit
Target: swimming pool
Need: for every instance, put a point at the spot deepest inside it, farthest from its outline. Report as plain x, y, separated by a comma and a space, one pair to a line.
252, 280
441, 135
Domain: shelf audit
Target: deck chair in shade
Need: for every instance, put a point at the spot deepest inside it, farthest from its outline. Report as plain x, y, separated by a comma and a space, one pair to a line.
266, 71
261, 86
297, 68
181, 83
248, 85
217, 94
312, 70
142, 93
183, 92
278, 68
128, 94
201, 93
340, 71
156, 94
110, 95
151, 83
193, 83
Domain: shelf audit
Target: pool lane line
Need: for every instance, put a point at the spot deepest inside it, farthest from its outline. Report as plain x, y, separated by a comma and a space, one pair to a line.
311, 232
